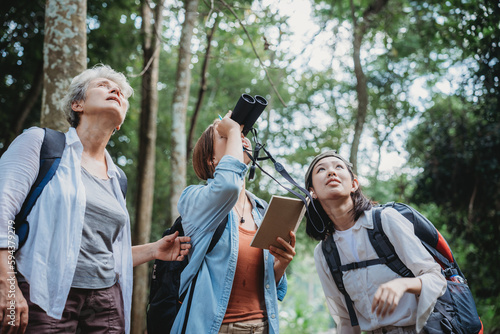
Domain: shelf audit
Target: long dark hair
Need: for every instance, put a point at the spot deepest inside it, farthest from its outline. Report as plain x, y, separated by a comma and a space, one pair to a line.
360, 202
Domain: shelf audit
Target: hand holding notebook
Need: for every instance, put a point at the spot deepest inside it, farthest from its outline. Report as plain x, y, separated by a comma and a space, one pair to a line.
283, 215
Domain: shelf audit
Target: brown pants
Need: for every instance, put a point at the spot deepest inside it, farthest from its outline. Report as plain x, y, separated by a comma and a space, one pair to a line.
86, 311
245, 328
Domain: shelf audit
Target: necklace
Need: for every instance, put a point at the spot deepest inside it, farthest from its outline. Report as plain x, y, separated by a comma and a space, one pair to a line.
242, 220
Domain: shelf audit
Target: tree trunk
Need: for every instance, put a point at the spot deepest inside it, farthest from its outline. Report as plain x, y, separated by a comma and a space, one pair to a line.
146, 165
30, 100
64, 54
179, 108
202, 90
362, 92
359, 32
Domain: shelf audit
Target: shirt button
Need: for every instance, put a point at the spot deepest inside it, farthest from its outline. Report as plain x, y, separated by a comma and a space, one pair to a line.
267, 286
267, 257
273, 316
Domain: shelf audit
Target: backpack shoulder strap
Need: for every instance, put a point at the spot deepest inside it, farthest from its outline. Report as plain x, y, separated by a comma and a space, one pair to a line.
50, 157
217, 234
215, 238
384, 247
122, 179
176, 226
333, 259
429, 236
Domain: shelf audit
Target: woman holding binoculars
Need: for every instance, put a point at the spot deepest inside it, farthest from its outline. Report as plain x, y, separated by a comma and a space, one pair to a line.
234, 288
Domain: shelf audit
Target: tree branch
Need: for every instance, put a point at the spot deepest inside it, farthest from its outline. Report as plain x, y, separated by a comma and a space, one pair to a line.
255, 52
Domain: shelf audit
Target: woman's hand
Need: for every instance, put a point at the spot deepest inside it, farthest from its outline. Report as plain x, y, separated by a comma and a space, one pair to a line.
282, 258
228, 139
226, 125
169, 248
13, 305
389, 294
172, 248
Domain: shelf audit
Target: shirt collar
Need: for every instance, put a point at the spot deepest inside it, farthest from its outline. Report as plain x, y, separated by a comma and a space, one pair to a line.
112, 170
72, 139
364, 221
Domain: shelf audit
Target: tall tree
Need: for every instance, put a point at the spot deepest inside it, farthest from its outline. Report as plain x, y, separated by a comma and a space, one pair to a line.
64, 54
202, 90
360, 28
151, 29
179, 106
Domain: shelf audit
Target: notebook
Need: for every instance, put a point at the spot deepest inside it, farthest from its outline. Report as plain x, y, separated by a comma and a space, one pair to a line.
283, 215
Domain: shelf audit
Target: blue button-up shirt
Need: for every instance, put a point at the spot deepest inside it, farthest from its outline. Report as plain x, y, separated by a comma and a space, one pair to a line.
202, 208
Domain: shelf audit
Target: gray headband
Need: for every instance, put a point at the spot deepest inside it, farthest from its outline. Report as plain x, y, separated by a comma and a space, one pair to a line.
329, 153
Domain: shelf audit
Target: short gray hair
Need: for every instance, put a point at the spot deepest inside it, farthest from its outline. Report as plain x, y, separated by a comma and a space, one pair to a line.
77, 90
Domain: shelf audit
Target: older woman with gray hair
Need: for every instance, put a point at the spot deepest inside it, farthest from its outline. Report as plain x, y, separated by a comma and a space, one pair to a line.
74, 271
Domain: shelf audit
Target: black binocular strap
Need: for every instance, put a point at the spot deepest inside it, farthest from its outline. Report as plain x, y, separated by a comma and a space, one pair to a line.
281, 169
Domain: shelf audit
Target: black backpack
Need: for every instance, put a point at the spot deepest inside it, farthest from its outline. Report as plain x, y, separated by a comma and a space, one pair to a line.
50, 157
454, 312
164, 299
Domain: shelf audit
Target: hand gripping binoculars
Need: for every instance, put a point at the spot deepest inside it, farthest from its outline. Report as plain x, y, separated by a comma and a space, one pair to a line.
247, 110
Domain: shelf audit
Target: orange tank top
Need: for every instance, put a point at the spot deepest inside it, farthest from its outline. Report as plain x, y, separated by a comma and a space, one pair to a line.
247, 294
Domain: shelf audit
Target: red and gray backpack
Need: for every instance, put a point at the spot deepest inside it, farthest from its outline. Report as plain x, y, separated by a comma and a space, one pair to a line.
455, 311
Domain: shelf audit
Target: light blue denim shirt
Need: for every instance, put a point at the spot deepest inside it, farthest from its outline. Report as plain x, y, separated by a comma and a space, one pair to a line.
202, 208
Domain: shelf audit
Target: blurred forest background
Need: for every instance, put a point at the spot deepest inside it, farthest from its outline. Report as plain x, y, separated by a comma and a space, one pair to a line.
407, 89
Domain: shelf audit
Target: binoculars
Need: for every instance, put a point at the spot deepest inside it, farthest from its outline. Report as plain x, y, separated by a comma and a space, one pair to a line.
247, 110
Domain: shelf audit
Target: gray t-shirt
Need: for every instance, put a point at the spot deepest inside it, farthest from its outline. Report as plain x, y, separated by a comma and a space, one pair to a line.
104, 218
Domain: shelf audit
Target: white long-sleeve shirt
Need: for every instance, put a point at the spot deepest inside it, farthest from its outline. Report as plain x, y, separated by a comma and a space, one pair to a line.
361, 284
48, 258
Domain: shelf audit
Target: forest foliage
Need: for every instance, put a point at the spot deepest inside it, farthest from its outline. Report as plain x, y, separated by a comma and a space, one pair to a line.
432, 75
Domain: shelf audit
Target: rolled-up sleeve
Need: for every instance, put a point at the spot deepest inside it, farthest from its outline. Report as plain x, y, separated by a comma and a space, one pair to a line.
203, 207
282, 287
401, 234
19, 166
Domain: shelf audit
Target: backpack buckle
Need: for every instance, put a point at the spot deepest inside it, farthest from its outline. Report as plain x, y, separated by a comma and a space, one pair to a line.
391, 257
450, 272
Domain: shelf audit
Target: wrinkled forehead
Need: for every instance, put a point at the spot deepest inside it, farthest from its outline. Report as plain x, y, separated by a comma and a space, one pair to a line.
100, 80
111, 83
